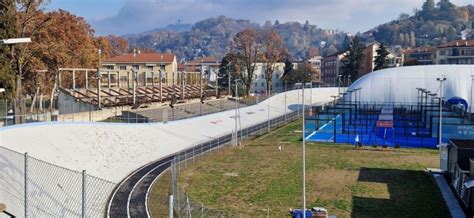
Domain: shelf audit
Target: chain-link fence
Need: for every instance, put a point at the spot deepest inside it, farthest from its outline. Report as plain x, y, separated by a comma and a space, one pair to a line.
34, 188
183, 205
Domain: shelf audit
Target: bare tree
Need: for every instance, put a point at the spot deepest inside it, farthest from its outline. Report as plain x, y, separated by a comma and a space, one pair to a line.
274, 50
247, 45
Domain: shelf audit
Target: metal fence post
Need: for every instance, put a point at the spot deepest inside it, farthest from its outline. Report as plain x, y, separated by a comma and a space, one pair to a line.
26, 184
170, 206
84, 195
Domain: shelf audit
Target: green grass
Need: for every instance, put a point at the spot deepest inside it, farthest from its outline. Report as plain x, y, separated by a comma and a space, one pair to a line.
348, 182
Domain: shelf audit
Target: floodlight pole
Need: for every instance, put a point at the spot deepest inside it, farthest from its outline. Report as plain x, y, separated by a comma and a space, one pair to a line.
440, 128
304, 159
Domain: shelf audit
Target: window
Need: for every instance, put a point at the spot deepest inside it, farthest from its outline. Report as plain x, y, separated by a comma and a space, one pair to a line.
109, 67
263, 84
123, 67
136, 67
123, 79
149, 77
162, 67
150, 68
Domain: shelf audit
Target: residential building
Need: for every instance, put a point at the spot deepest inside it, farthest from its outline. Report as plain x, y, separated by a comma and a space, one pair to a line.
456, 52
330, 68
208, 66
370, 53
259, 84
419, 56
117, 71
316, 62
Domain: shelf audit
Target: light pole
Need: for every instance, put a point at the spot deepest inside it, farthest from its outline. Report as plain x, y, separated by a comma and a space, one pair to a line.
304, 156
236, 112
12, 42
441, 80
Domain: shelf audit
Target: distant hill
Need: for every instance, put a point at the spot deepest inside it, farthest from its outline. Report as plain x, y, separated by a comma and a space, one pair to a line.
433, 24
213, 36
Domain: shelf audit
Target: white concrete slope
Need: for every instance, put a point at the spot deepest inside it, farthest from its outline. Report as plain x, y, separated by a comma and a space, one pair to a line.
112, 151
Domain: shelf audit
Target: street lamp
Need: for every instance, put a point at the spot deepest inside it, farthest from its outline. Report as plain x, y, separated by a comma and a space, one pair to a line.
11, 43
14, 41
441, 81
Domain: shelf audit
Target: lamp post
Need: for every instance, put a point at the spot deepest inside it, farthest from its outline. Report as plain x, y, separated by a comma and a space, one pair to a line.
12, 42
304, 156
236, 112
441, 80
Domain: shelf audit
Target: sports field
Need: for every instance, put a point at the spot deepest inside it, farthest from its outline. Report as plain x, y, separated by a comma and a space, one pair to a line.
258, 179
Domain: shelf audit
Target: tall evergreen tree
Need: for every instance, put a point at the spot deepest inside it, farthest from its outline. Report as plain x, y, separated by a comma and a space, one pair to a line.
428, 9
7, 30
381, 59
353, 61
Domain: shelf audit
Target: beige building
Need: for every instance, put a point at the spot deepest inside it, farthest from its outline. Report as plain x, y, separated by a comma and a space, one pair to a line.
117, 71
456, 52
259, 84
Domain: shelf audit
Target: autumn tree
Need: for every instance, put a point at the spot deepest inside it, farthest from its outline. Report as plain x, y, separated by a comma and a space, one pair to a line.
273, 51
247, 45
381, 59
67, 41
119, 45
30, 21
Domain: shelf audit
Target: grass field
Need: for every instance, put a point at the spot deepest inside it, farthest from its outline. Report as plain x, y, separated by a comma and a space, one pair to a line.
348, 182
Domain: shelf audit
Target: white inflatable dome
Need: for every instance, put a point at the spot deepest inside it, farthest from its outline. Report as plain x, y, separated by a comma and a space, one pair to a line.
399, 84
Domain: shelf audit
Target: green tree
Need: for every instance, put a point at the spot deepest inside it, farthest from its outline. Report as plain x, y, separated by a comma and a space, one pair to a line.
428, 9
381, 59
353, 61
7, 30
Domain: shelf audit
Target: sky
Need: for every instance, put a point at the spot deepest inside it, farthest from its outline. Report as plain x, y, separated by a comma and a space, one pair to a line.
120, 17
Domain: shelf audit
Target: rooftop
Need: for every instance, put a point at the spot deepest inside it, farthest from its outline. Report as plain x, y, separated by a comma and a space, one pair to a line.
458, 43
142, 58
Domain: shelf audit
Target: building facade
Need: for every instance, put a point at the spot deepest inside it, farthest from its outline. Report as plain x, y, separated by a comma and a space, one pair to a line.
456, 52
370, 53
419, 56
316, 63
150, 69
330, 68
259, 84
